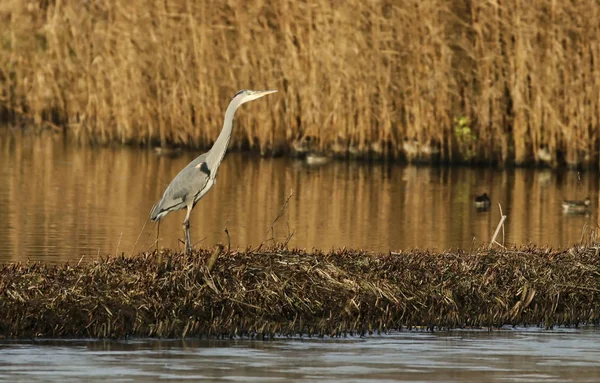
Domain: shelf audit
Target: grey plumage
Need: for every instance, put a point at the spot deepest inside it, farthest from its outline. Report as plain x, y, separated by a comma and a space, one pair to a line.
198, 177
190, 182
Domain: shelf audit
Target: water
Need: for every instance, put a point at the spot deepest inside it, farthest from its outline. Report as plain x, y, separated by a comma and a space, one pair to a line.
60, 201
503, 356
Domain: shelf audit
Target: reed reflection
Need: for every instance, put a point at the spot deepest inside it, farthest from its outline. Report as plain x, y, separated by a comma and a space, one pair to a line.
59, 201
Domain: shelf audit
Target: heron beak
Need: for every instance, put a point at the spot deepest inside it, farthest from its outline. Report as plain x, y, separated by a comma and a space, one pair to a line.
261, 93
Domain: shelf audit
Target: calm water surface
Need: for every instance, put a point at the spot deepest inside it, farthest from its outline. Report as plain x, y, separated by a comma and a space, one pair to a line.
503, 356
59, 201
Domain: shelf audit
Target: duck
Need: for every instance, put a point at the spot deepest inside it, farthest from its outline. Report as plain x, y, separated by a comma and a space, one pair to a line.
577, 206
303, 145
316, 158
167, 151
482, 202
410, 148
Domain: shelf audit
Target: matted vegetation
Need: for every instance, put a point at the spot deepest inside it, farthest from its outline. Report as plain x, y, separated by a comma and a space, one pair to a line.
290, 292
506, 81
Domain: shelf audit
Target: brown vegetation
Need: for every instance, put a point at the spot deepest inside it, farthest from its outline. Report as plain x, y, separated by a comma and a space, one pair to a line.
506, 81
277, 291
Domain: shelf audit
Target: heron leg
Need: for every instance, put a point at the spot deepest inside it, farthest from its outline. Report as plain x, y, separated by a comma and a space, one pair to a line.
157, 234
186, 230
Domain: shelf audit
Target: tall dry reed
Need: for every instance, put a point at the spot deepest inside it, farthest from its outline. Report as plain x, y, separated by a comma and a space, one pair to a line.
501, 81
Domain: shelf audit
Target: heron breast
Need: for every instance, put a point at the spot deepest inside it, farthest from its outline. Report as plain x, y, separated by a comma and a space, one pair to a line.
209, 184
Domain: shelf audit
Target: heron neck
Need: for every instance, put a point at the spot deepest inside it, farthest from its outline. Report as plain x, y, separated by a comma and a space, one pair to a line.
217, 152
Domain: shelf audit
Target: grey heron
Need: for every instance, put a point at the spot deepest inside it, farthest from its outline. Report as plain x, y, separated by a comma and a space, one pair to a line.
198, 177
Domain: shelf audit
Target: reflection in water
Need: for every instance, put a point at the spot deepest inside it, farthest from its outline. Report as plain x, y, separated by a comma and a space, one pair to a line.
523, 356
59, 201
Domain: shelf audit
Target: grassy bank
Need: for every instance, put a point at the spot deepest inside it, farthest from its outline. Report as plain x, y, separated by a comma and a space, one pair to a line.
503, 81
276, 291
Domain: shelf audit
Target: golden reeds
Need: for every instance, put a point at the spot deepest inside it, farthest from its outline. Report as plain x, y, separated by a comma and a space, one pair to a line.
290, 292
505, 81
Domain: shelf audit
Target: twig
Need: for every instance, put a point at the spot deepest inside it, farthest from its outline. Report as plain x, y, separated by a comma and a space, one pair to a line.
288, 238
502, 214
279, 215
139, 235
195, 243
213, 258
118, 243
246, 304
583, 233
500, 225
589, 234
228, 240
152, 244
578, 287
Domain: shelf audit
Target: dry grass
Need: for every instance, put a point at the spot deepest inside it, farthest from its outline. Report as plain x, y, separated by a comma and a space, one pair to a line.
276, 291
506, 81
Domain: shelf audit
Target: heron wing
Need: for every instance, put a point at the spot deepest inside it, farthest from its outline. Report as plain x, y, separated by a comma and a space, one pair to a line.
185, 187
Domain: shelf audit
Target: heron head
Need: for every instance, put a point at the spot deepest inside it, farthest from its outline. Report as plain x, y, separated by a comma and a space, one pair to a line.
250, 95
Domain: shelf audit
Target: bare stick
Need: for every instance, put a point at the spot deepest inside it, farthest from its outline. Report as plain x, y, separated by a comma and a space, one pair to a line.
589, 234
502, 215
496, 232
583, 233
197, 242
139, 235
213, 258
118, 243
152, 244
500, 225
228, 240
289, 236
272, 227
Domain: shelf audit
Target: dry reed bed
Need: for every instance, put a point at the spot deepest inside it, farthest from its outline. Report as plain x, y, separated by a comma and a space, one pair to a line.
506, 81
266, 292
